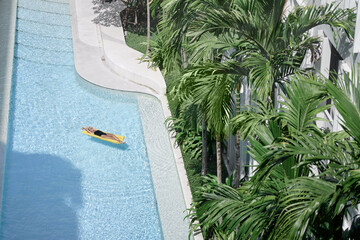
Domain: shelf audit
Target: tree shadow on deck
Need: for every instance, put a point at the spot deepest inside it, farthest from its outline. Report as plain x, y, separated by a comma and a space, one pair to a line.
108, 13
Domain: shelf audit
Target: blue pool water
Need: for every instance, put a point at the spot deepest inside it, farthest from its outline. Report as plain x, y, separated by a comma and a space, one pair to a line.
59, 183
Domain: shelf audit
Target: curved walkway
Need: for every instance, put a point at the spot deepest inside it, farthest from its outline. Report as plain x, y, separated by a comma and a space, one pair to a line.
103, 58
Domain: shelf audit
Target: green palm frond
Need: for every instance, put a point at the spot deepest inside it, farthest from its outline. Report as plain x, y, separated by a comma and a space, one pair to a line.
218, 18
298, 156
210, 48
305, 197
251, 117
184, 86
176, 126
215, 93
305, 18
348, 110
305, 178
174, 23
260, 75
348, 84
275, 12
301, 108
240, 213
186, 137
155, 58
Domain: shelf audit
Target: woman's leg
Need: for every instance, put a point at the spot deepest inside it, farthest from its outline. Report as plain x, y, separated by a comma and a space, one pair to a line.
111, 136
114, 137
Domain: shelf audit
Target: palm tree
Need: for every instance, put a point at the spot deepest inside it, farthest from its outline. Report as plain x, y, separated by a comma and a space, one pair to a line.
148, 26
184, 124
215, 94
261, 37
212, 93
287, 198
241, 37
224, 39
254, 39
173, 26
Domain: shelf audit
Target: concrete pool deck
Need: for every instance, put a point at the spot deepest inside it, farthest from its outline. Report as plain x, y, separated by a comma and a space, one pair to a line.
103, 58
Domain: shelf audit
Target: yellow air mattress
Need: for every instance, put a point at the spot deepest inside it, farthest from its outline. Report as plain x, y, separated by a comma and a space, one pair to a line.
105, 139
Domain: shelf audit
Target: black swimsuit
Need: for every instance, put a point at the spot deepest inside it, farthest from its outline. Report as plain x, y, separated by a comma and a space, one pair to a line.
99, 133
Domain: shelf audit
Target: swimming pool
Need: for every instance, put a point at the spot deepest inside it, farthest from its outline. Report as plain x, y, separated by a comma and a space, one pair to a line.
58, 183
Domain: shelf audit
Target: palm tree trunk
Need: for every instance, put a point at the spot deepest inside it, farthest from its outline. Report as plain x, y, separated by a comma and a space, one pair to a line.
238, 162
183, 57
337, 229
218, 159
124, 23
135, 17
204, 149
274, 95
148, 25
237, 144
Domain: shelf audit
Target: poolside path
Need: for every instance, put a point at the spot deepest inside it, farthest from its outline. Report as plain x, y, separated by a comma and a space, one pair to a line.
103, 58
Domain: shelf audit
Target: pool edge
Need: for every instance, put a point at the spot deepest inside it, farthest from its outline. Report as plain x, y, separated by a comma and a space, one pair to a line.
7, 36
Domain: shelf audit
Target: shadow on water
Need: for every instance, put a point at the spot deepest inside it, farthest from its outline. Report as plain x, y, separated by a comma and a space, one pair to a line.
7, 20
42, 194
123, 147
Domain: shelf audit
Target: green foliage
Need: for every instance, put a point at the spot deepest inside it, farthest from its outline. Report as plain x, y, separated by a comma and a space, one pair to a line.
155, 56
238, 36
348, 110
186, 130
134, 16
189, 140
306, 180
300, 106
241, 214
136, 41
251, 117
172, 27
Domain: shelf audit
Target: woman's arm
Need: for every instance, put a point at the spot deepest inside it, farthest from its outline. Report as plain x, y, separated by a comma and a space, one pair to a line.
86, 129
